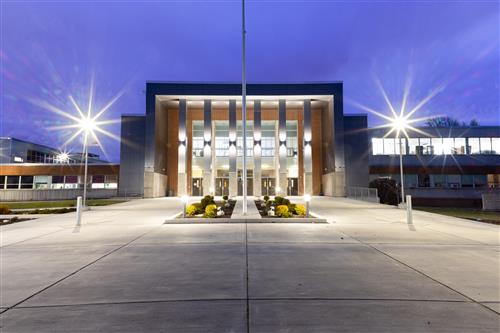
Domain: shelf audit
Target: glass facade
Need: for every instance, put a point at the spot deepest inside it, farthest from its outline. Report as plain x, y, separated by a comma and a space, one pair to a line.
449, 181
57, 182
220, 156
437, 146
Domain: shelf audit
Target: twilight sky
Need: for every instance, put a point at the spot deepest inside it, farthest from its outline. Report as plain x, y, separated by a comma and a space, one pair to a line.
53, 49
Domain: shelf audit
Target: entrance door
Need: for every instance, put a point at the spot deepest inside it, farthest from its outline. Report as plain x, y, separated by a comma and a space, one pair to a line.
197, 188
268, 186
293, 186
221, 186
249, 186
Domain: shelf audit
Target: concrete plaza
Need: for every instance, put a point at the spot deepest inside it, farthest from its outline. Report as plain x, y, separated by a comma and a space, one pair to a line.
367, 270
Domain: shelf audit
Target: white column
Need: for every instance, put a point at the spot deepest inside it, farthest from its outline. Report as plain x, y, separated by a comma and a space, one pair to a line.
257, 149
283, 172
233, 172
307, 148
207, 149
182, 149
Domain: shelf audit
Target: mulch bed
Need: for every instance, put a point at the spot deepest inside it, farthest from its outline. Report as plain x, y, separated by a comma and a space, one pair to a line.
263, 213
228, 211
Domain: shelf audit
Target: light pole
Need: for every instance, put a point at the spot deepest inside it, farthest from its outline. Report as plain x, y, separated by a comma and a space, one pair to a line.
244, 105
87, 126
401, 170
400, 124
86, 152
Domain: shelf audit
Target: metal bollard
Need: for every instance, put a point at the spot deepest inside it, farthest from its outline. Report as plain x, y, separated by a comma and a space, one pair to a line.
78, 211
409, 216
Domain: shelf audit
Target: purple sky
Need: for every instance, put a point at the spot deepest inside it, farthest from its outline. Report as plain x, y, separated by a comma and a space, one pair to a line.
52, 49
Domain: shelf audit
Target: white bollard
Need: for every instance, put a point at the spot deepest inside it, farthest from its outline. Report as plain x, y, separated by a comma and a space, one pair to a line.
78, 211
409, 216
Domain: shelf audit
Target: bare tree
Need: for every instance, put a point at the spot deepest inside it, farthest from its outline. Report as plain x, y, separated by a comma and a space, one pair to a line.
473, 123
442, 122
449, 122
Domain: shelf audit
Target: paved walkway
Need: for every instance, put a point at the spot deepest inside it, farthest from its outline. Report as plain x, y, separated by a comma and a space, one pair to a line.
125, 271
252, 212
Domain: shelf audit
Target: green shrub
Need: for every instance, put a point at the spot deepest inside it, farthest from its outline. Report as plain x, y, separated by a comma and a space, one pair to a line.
282, 211
191, 210
225, 198
266, 198
388, 190
286, 202
199, 208
210, 211
278, 200
207, 200
4, 209
300, 210
291, 208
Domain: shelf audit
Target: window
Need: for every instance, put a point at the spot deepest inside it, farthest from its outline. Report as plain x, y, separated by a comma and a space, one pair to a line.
453, 181
221, 138
439, 180
71, 182
437, 146
480, 180
26, 182
2, 182
377, 146
389, 148
397, 145
413, 144
474, 146
57, 182
291, 146
424, 180
198, 146
222, 146
467, 180
495, 146
12, 182
41, 182
267, 146
411, 180
485, 144
239, 145
198, 141
426, 148
493, 180
459, 146
97, 181
448, 145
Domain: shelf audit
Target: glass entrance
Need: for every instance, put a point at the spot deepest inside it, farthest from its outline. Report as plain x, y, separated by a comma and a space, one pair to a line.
221, 186
249, 186
293, 186
268, 186
197, 187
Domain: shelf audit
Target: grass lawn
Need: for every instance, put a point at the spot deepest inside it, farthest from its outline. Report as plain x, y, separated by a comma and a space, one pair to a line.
60, 203
465, 213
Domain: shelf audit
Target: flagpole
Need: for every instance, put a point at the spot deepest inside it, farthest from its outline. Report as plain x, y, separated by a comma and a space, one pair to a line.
244, 107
